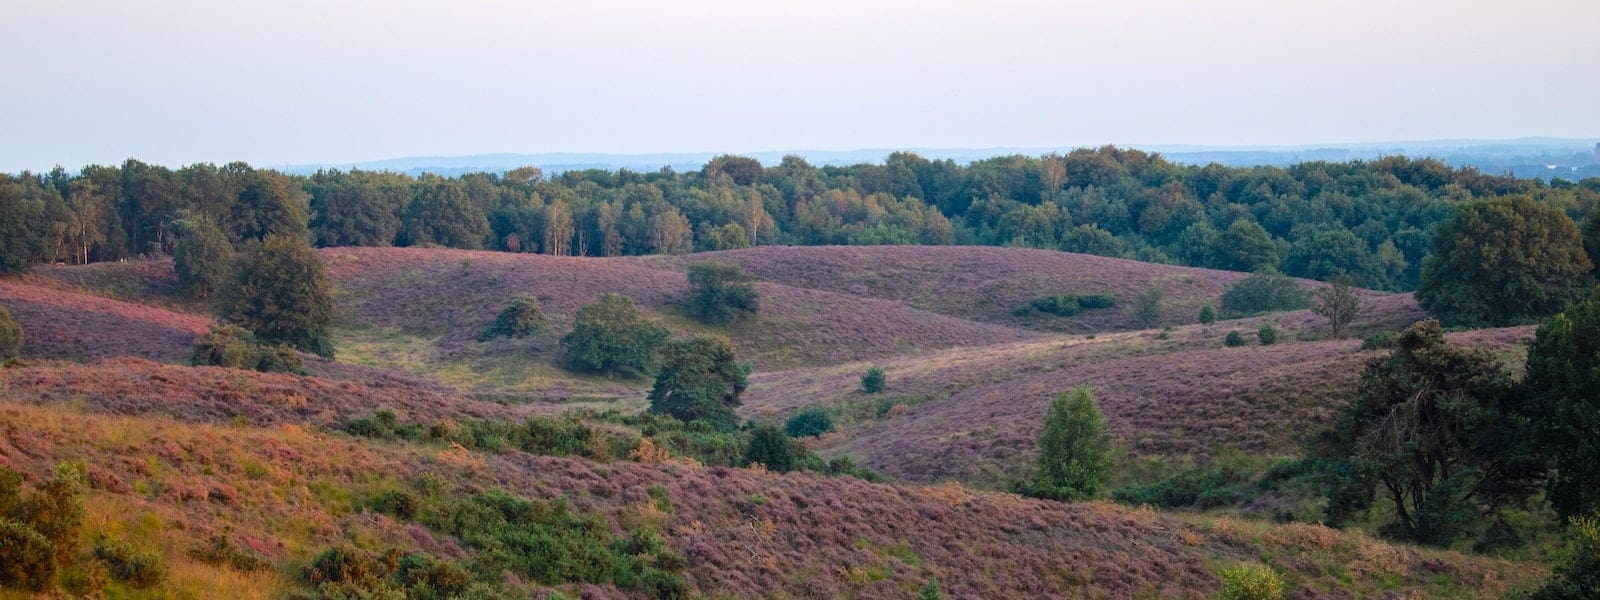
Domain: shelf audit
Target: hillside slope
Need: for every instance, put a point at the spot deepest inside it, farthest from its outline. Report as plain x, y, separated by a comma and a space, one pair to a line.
60, 323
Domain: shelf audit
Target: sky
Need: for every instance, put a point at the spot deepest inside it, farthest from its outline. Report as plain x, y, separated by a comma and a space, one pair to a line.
327, 81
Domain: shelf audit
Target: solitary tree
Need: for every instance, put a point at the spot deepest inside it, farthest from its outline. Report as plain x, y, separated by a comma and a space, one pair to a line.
1432, 432
1074, 450
282, 294
720, 292
1147, 307
610, 334
203, 258
10, 336
1503, 261
700, 380
1563, 388
1265, 291
1339, 304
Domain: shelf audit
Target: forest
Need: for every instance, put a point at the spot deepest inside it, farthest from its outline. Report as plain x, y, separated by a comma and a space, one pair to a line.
1370, 222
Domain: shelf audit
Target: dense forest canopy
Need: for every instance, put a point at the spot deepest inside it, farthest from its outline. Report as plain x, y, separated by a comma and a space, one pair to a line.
1368, 220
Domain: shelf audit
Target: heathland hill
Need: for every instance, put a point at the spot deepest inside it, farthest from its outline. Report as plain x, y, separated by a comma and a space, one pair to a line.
420, 439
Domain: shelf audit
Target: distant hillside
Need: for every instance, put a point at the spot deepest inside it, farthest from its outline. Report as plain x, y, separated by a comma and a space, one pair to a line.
60, 323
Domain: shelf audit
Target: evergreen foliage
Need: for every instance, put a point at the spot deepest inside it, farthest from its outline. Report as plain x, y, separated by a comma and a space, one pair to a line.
1577, 575
1562, 387
1233, 339
810, 422
1434, 431
235, 347
1267, 334
772, 449
1208, 314
519, 319
874, 380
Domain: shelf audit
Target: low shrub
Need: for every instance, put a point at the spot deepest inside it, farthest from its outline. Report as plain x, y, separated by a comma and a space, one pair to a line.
770, 447
1233, 340
873, 381
808, 422
1065, 305
1577, 575
235, 347
1199, 488
1267, 334
521, 318
138, 568
399, 504
220, 551
1263, 292
1251, 582
1380, 340
27, 560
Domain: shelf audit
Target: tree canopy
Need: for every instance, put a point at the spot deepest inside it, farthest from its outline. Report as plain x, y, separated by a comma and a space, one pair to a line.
611, 334
1074, 449
1503, 261
1563, 386
282, 294
700, 380
720, 293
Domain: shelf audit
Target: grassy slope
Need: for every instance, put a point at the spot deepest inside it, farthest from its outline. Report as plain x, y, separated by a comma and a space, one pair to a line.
288, 491
61, 323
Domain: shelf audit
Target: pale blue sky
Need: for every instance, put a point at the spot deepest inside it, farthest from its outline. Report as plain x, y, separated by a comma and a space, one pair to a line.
302, 81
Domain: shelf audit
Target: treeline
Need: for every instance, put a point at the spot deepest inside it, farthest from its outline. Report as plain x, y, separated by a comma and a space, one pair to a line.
1368, 220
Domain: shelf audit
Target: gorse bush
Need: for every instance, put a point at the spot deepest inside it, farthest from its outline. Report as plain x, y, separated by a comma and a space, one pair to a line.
1251, 582
138, 568
39, 532
10, 336
720, 293
1266, 291
519, 319
808, 422
873, 381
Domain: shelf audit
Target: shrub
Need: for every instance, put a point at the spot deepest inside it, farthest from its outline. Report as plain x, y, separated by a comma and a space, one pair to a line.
720, 293
1074, 450
1562, 389
350, 565
1233, 340
611, 334
1267, 334
137, 568
1380, 340
873, 381
1577, 576
1251, 582
26, 558
10, 336
1203, 488
700, 380
1063, 305
220, 551
399, 504
772, 448
1208, 314
235, 347
521, 318
1266, 291
808, 422
1147, 307
56, 510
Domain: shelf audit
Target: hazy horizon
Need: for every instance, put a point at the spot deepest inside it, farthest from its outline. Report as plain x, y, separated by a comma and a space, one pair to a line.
298, 82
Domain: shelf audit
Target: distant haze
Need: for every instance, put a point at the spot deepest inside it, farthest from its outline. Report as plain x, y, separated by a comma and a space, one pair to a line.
293, 82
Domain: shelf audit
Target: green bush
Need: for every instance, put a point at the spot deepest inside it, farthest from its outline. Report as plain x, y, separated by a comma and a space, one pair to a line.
26, 557
1208, 314
873, 381
1234, 340
1064, 305
1577, 575
1267, 291
720, 293
128, 564
1204, 488
519, 319
611, 334
1074, 450
222, 552
808, 422
1267, 334
772, 448
1251, 582
235, 347
1380, 340
399, 504
10, 336
1147, 307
